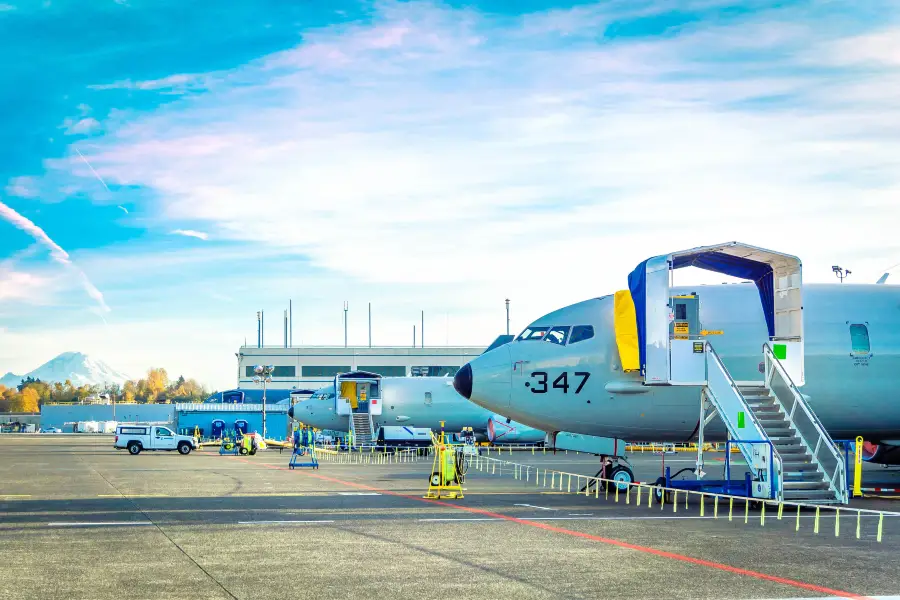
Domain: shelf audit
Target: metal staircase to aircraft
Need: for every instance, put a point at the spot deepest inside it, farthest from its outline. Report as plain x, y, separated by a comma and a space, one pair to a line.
361, 426
803, 463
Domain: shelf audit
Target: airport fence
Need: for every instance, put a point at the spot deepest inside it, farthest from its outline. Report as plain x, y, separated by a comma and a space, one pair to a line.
371, 455
863, 523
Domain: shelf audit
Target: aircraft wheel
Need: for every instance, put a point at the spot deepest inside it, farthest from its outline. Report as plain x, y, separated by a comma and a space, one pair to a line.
623, 476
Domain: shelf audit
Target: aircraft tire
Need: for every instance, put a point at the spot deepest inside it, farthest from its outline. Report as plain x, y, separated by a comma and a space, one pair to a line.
621, 473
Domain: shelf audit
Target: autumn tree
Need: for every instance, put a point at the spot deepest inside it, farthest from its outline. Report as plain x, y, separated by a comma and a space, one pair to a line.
129, 391
157, 383
28, 400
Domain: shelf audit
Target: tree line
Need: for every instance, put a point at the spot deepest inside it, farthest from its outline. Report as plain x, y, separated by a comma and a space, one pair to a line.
156, 387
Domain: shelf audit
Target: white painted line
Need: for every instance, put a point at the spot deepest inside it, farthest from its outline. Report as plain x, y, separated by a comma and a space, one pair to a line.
471, 519
533, 506
278, 522
358, 494
581, 514
100, 524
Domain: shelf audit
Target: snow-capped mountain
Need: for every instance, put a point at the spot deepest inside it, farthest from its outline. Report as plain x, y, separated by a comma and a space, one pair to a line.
78, 368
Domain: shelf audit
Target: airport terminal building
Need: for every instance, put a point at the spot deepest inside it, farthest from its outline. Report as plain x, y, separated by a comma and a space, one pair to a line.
312, 367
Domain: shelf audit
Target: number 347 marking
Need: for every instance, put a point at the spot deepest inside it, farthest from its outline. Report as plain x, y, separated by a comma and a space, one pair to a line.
560, 383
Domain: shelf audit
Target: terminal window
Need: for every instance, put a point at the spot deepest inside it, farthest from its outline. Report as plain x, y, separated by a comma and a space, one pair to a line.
324, 371
278, 371
386, 371
437, 371
859, 339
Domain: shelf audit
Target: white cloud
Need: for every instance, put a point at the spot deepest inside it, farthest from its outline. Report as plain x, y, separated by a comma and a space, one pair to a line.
877, 48
82, 126
56, 252
200, 235
23, 187
22, 286
466, 155
173, 82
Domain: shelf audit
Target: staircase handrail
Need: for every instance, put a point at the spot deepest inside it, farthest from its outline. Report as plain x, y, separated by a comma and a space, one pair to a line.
836, 480
776, 463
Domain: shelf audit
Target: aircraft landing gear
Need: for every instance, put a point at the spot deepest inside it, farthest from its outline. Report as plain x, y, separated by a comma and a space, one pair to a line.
612, 468
622, 476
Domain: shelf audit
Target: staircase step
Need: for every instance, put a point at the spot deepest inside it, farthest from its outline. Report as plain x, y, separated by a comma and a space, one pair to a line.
797, 465
805, 485
814, 495
812, 474
778, 431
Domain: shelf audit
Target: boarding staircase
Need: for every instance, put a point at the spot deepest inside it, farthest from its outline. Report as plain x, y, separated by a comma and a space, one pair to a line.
361, 426
803, 464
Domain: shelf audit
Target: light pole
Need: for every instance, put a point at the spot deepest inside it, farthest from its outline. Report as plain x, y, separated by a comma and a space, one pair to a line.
507, 316
263, 376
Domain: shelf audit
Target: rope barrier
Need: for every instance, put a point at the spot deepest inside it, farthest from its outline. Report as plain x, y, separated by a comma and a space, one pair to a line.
672, 496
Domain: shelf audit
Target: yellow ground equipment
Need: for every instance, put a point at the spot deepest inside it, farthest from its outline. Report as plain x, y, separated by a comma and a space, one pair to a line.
448, 471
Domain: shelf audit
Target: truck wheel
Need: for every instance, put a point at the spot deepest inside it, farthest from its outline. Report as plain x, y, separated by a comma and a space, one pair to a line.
184, 448
244, 451
134, 448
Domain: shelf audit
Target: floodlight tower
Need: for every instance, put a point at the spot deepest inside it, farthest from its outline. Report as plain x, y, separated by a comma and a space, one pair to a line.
841, 273
263, 376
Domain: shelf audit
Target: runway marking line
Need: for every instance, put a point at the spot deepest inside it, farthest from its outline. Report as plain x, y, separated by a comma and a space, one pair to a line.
534, 506
278, 522
99, 524
594, 538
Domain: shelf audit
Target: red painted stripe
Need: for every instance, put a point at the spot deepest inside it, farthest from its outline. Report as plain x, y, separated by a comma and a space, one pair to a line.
594, 538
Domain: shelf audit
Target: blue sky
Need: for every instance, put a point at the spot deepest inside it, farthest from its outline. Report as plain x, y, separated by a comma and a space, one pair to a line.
169, 168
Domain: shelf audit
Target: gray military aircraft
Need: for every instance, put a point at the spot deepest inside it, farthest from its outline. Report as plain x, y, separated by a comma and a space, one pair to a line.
564, 372
421, 402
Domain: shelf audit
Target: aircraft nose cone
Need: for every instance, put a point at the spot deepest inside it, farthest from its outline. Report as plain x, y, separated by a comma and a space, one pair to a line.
291, 412
462, 381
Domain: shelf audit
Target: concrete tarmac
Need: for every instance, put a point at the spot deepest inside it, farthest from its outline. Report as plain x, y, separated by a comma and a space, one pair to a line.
79, 519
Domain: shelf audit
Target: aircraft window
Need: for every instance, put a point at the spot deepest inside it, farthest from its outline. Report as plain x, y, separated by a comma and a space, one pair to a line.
532, 334
557, 334
581, 333
859, 339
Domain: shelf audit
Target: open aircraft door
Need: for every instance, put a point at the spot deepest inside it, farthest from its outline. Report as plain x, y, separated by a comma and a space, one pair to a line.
670, 341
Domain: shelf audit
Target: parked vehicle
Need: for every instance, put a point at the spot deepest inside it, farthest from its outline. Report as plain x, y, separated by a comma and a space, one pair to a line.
136, 438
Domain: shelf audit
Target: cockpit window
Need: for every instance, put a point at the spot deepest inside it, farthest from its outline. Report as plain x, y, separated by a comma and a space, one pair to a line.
557, 334
531, 334
581, 333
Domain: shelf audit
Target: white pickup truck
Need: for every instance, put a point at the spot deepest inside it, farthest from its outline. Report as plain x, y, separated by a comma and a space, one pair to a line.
152, 437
